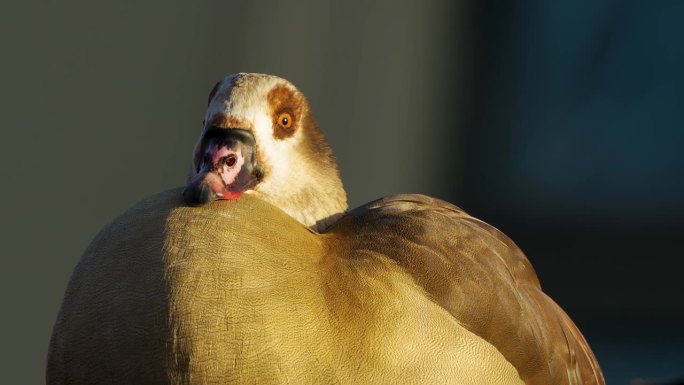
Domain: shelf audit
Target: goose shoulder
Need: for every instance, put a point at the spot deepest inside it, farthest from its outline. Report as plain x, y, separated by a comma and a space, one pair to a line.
481, 277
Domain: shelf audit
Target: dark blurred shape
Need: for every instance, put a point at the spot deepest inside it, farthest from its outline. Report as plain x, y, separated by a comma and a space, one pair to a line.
579, 111
650, 382
574, 149
575, 144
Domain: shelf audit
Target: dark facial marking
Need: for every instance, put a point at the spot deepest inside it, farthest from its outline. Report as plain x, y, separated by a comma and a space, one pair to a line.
223, 121
281, 101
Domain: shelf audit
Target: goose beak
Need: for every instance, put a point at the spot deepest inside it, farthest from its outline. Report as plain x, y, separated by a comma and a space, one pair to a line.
226, 168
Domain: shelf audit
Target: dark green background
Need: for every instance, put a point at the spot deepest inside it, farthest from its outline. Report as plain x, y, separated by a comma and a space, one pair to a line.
561, 124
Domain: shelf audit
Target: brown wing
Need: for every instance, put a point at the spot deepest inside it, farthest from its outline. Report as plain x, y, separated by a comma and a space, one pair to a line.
482, 278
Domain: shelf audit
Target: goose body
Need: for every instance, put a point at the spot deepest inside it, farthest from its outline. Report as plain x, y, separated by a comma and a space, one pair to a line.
266, 279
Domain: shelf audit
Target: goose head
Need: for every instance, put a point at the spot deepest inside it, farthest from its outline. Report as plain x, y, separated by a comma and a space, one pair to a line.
260, 138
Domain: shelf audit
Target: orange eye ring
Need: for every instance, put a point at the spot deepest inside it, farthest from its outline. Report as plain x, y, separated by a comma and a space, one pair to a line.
285, 120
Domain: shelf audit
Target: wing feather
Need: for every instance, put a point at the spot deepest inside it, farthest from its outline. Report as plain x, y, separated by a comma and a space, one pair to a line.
482, 278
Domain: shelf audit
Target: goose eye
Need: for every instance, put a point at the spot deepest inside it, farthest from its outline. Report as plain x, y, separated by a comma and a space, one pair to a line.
285, 120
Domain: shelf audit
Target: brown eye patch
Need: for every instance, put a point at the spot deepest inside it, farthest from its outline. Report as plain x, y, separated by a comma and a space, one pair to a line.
286, 107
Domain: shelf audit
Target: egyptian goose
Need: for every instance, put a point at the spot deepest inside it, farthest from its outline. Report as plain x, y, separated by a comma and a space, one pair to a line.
283, 286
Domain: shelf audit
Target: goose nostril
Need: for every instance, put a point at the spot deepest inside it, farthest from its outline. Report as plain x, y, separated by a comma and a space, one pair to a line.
230, 160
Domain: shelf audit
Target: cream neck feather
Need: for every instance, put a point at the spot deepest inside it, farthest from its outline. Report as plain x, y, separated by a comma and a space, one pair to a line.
312, 193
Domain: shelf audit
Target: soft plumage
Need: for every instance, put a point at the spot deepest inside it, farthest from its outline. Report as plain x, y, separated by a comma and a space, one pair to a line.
293, 163
403, 290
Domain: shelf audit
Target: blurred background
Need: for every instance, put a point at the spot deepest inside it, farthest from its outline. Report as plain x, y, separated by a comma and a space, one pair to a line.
561, 123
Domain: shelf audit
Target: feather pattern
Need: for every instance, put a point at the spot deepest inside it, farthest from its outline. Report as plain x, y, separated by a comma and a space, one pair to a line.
481, 277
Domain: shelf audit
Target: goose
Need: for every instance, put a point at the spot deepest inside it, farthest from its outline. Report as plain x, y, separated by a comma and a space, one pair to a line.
256, 273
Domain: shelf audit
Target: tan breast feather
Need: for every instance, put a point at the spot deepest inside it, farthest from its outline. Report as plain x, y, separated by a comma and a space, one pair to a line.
404, 290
